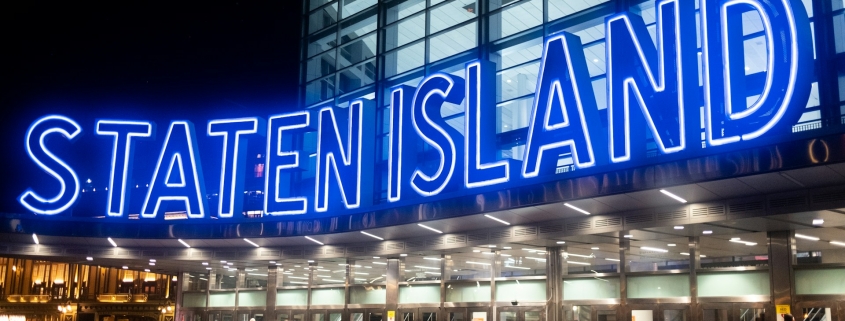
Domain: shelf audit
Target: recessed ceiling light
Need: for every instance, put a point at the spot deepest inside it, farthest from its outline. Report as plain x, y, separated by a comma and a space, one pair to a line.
313, 240
403, 254
112, 242
673, 196
628, 236
373, 236
252, 243
653, 249
561, 242
89, 258
576, 208
817, 221
679, 227
837, 243
35, 238
806, 237
670, 244
707, 232
430, 228
594, 248
204, 263
125, 267
183, 243
496, 219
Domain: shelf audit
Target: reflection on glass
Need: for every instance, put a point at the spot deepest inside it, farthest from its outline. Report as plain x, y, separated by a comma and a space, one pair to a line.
407, 316
816, 314
752, 315
675, 315
507, 316
333, 317
357, 316
227, 316
317, 317
605, 315
375, 317
429, 316
717, 315
298, 317
322, 18
456, 316
516, 19
579, 313
532, 315
283, 317
642, 315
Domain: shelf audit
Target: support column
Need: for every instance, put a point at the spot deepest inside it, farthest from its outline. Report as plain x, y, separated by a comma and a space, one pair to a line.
554, 283
694, 264
624, 248
392, 285
272, 281
781, 256
177, 303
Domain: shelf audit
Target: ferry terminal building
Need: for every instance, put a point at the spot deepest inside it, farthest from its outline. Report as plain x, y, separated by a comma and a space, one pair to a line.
653, 230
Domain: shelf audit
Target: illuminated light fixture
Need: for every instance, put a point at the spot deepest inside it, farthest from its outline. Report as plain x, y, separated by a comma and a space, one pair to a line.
707, 232
310, 261
223, 261
476, 251
806, 237
435, 273
614, 260
432, 258
152, 260
230, 263
561, 242
380, 263
737, 240
496, 219
427, 267
481, 263
837, 243
679, 227
505, 255
628, 236
251, 242
578, 255
579, 263
576, 208
146, 270
125, 267
204, 263
376, 257
430, 228
89, 258
35, 238
488, 253
671, 244
491, 246
403, 254
517, 267
818, 221
278, 264
676, 197
653, 249
208, 268
313, 240
152, 263
183, 243
272, 262
702, 255
373, 236
112, 242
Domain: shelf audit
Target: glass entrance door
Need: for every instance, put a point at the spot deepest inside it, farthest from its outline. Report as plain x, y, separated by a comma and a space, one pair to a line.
658, 312
741, 311
520, 314
816, 311
591, 313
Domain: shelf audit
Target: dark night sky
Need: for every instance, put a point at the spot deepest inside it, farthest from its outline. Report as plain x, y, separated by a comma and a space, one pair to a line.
194, 60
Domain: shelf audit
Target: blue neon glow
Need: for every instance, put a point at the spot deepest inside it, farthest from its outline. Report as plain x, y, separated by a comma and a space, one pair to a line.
37, 135
401, 161
281, 162
234, 152
789, 59
179, 151
122, 159
565, 116
344, 162
662, 96
480, 165
432, 93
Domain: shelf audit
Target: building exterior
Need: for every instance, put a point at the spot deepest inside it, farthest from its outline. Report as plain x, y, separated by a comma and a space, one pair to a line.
656, 201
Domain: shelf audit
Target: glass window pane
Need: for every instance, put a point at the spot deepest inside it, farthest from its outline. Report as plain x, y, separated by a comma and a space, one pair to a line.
357, 27
361, 294
321, 43
591, 288
328, 296
404, 32
252, 299
516, 19
733, 284
398, 10
749, 249
316, 3
452, 13
468, 266
405, 59
356, 77
351, 7
419, 293
559, 9
322, 18
591, 258
517, 81
518, 54
658, 286
357, 51
320, 66
514, 114
292, 297
468, 292
839, 30
523, 291
319, 90
827, 281
453, 42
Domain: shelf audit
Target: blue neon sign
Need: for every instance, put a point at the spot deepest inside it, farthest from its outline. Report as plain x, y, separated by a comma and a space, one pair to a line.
652, 90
